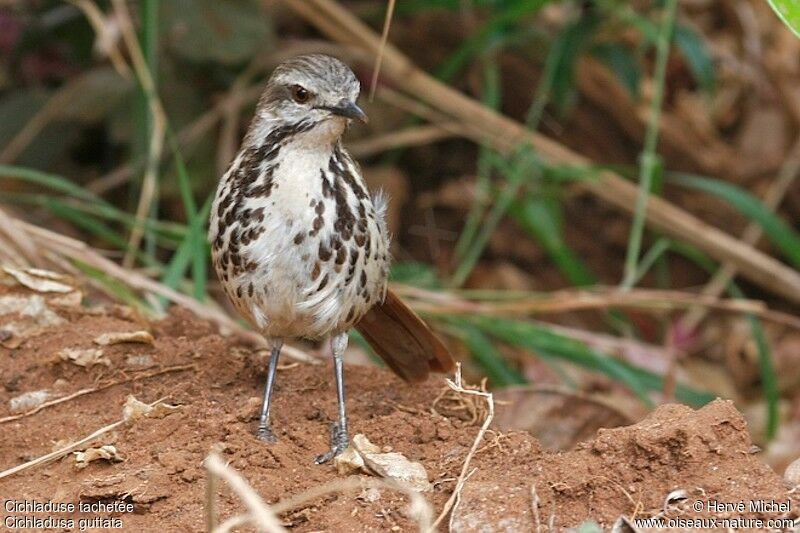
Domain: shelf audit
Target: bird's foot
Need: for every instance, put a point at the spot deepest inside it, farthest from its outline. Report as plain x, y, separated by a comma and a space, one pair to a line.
339, 442
265, 434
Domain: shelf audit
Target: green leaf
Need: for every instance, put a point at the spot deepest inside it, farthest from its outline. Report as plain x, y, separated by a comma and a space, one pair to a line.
487, 356
228, 32
539, 218
789, 13
563, 56
496, 26
775, 229
622, 63
695, 52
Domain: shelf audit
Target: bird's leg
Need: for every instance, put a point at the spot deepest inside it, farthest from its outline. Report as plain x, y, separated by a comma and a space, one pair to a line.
339, 438
264, 431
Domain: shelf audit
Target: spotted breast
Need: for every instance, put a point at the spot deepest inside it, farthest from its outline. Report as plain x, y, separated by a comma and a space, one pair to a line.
300, 247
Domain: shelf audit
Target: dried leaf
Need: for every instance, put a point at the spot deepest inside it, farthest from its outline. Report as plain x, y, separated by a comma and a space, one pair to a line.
85, 357
348, 462
35, 312
107, 452
120, 337
70, 299
27, 401
134, 409
40, 280
365, 456
33, 306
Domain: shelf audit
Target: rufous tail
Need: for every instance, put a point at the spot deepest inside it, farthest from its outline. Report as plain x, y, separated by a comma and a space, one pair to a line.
403, 340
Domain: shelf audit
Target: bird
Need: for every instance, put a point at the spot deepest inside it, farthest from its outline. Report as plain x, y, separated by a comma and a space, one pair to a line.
299, 244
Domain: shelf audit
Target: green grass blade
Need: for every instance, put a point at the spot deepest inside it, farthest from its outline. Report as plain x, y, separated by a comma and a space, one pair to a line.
789, 12
769, 378
547, 343
650, 162
185, 255
168, 232
480, 40
97, 228
491, 99
198, 247
515, 173
50, 181
116, 288
696, 54
619, 59
488, 358
536, 216
775, 229
563, 56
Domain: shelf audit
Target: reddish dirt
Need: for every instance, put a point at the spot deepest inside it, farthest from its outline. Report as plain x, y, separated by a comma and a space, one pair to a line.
622, 471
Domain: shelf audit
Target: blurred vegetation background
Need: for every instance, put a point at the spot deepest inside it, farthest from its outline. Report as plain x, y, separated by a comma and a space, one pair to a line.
118, 118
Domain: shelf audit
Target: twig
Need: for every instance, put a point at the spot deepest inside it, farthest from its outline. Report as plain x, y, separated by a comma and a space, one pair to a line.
413, 136
379, 57
457, 386
584, 299
506, 134
262, 517
84, 392
457, 491
537, 521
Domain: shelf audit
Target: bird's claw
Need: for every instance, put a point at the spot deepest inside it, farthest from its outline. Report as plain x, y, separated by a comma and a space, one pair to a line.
339, 442
265, 434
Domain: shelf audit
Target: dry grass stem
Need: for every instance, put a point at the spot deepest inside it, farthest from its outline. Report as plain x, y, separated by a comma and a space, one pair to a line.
537, 520
156, 135
570, 300
420, 510
457, 491
106, 39
414, 136
61, 452
387, 23
259, 514
457, 386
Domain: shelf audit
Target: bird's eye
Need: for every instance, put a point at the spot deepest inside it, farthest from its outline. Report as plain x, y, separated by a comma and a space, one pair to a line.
301, 95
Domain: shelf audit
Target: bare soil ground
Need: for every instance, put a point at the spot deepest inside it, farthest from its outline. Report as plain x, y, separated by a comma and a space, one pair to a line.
217, 382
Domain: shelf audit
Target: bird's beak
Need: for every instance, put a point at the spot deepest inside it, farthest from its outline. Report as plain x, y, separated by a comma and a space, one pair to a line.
349, 110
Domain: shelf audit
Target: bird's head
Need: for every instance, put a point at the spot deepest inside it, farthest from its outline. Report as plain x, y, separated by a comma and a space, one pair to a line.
312, 89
